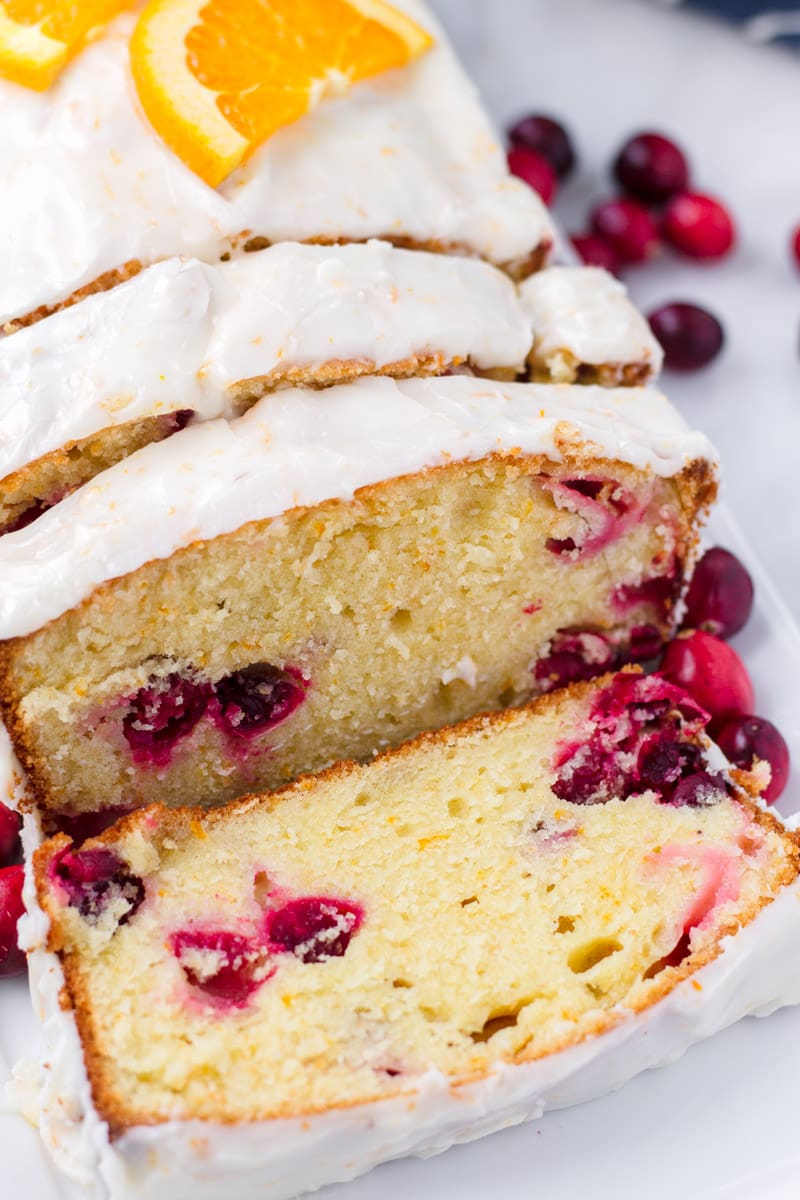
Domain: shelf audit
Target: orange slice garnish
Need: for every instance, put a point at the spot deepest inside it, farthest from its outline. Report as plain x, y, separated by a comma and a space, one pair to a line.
216, 78
39, 37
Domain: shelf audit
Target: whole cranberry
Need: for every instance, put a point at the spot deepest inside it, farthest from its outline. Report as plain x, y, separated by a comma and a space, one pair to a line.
720, 596
691, 337
596, 251
547, 137
744, 738
698, 225
711, 672
796, 244
12, 960
535, 170
651, 167
10, 824
628, 226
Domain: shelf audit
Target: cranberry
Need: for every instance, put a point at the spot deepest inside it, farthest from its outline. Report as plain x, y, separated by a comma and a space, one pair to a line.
546, 137
699, 790
82, 826
711, 672
628, 226
574, 655
314, 928
161, 714
698, 225
720, 596
745, 738
226, 966
660, 592
645, 643
690, 336
596, 251
796, 244
95, 878
12, 960
258, 697
535, 170
651, 167
10, 824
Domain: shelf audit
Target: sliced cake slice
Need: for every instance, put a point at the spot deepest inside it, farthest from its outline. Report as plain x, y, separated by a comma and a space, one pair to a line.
184, 341
334, 572
512, 915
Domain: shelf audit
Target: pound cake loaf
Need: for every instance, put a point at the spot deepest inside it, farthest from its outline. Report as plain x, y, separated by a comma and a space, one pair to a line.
184, 341
334, 572
514, 915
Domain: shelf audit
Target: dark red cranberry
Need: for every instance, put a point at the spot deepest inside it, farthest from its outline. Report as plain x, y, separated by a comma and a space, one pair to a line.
690, 336
660, 761
535, 170
10, 825
237, 966
699, 226
95, 878
258, 698
161, 714
596, 251
660, 592
12, 960
82, 826
745, 738
796, 245
645, 643
711, 672
651, 167
720, 596
314, 928
628, 226
546, 137
699, 790
561, 545
574, 655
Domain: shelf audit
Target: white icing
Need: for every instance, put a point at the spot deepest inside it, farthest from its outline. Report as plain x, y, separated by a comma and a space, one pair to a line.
87, 185
755, 973
182, 333
586, 312
301, 447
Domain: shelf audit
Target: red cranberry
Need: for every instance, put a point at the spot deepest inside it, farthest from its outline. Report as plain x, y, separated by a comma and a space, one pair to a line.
10, 825
690, 336
314, 928
796, 244
596, 251
699, 790
628, 226
660, 591
711, 672
258, 697
94, 878
535, 170
745, 738
645, 643
161, 714
546, 137
651, 167
12, 960
720, 596
238, 964
698, 225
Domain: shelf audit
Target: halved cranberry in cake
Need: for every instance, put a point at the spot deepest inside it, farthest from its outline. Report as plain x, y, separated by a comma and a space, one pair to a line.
660, 592
161, 714
94, 879
606, 508
258, 697
12, 959
227, 967
574, 655
314, 928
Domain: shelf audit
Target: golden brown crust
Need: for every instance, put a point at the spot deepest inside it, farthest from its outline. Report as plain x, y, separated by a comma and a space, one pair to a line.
103, 283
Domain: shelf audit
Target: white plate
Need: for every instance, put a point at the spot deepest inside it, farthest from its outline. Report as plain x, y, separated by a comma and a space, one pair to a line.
720, 1124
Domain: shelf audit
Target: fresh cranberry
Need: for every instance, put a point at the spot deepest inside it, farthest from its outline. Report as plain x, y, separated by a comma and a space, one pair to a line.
745, 738
10, 825
596, 251
699, 226
690, 336
314, 928
720, 596
161, 714
796, 244
535, 170
12, 960
258, 697
229, 968
651, 167
546, 137
94, 878
628, 226
698, 790
711, 672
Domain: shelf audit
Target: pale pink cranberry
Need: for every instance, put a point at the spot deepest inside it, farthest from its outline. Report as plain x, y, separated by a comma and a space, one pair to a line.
651, 167
596, 251
720, 596
239, 964
258, 698
690, 336
546, 137
313, 928
744, 739
711, 672
698, 225
161, 715
12, 960
629, 227
535, 170
10, 825
95, 878
795, 242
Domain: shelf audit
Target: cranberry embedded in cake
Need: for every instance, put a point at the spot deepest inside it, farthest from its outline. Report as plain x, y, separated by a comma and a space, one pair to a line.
162, 714
313, 928
258, 697
96, 880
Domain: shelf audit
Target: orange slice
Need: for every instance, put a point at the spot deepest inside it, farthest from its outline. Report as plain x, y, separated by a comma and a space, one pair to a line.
39, 37
216, 78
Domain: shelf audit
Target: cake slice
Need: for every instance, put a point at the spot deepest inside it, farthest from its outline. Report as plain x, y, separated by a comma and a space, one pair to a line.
334, 572
513, 915
184, 341
586, 330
